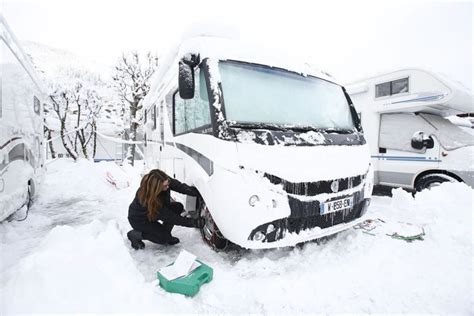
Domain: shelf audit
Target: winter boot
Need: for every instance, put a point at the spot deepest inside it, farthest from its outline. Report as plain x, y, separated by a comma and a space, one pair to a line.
135, 238
173, 240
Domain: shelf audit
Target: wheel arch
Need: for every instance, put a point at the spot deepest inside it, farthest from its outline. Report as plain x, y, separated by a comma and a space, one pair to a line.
434, 172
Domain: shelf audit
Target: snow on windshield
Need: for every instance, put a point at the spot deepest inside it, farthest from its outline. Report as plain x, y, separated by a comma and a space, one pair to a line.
449, 135
259, 94
397, 130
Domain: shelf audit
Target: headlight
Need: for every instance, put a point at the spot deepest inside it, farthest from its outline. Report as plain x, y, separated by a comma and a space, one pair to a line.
253, 200
259, 236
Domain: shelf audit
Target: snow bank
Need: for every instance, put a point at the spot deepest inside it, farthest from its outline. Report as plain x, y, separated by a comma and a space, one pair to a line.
83, 269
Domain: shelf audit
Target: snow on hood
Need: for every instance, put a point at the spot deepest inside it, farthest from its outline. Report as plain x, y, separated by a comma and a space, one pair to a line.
305, 163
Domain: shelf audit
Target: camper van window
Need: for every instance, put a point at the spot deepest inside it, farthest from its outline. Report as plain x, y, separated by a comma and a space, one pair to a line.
391, 88
260, 94
400, 86
194, 113
382, 90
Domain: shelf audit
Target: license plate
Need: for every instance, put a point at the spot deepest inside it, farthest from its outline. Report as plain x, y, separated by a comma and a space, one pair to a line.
336, 205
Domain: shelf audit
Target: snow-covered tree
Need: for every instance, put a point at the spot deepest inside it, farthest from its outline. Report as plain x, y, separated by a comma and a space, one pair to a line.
77, 107
77, 96
132, 80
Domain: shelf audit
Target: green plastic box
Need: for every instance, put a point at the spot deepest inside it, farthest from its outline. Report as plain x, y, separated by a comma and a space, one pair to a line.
187, 285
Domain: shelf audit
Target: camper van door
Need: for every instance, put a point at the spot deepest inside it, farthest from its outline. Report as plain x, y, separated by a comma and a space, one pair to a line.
398, 161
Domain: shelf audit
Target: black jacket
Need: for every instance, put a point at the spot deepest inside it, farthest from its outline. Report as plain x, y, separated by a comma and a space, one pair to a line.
137, 212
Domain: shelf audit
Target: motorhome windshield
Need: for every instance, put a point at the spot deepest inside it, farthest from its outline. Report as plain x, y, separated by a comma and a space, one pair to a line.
263, 95
449, 135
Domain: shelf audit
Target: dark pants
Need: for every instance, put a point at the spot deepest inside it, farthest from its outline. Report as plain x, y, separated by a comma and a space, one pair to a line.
155, 231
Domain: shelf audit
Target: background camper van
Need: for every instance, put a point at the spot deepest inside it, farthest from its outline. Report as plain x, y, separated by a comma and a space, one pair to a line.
412, 144
275, 149
21, 126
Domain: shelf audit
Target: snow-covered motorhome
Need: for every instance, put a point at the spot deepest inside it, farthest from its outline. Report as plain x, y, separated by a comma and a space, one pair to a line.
275, 148
21, 126
412, 144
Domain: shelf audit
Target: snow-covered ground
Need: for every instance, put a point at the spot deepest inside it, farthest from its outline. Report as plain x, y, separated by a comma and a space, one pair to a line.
71, 255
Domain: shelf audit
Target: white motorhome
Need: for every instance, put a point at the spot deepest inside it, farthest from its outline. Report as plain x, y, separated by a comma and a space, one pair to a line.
21, 126
275, 149
412, 144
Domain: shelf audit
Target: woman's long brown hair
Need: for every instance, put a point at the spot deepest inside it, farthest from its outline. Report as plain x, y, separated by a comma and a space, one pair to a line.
150, 188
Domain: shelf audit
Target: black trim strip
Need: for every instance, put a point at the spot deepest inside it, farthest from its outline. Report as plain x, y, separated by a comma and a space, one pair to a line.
202, 160
315, 188
8, 142
289, 137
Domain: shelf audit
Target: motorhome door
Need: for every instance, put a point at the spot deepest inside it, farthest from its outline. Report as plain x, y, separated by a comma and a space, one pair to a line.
406, 148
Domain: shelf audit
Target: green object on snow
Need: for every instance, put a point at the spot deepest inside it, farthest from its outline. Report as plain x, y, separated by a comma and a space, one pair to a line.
409, 238
190, 284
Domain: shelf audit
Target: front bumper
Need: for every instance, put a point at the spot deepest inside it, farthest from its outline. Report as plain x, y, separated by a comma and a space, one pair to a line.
306, 226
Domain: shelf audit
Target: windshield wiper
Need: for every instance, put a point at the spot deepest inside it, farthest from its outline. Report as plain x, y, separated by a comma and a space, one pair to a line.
257, 126
300, 128
307, 128
338, 130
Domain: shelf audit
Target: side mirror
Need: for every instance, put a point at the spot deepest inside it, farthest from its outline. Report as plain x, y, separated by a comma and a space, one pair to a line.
420, 140
186, 81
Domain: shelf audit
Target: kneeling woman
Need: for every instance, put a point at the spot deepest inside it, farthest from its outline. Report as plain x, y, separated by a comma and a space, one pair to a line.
153, 203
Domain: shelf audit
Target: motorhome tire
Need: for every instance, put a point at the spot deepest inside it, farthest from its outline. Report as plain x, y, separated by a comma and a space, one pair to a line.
432, 180
210, 232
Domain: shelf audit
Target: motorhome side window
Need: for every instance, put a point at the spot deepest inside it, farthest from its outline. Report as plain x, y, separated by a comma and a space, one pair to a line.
192, 114
391, 87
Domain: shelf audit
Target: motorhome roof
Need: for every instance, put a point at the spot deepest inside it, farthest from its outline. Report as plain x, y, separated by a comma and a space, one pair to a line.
439, 94
227, 49
442, 77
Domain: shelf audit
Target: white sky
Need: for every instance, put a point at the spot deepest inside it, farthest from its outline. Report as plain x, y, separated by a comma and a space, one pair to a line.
349, 39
